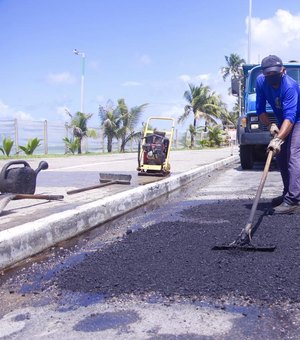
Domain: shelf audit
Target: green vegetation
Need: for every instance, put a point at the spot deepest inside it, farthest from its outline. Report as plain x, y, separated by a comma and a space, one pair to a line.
128, 121
109, 119
78, 124
215, 135
7, 144
119, 122
202, 103
71, 144
32, 144
233, 68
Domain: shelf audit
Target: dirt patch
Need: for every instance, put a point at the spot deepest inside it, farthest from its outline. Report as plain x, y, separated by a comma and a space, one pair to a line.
175, 258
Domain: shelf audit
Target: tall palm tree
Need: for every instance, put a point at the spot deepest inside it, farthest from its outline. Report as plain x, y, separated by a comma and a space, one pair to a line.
202, 103
110, 121
229, 118
233, 67
79, 125
128, 121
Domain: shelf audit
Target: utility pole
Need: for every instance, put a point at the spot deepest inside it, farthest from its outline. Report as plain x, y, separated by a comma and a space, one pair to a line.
82, 55
249, 31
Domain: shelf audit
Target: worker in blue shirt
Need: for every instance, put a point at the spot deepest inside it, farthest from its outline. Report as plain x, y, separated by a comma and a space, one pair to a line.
283, 94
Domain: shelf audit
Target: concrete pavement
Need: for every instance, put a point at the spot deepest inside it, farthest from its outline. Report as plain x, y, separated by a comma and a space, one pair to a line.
28, 227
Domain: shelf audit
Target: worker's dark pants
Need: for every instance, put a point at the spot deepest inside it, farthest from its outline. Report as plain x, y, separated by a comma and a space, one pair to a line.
289, 164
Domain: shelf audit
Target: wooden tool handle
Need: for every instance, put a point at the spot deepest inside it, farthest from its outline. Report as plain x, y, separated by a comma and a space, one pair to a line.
259, 191
38, 197
75, 191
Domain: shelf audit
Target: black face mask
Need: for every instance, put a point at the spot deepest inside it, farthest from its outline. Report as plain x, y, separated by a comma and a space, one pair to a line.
273, 79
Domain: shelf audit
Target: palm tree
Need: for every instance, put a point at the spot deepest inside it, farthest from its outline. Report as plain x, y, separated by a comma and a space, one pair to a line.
128, 121
110, 121
203, 103
215, 135
233, 67
229, 118
79, 125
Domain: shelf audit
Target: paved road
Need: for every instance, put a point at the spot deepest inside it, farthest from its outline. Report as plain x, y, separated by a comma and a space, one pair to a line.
162, 280
30, 226
70, 173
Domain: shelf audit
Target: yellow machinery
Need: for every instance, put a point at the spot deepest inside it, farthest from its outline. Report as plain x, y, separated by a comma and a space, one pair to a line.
154, 147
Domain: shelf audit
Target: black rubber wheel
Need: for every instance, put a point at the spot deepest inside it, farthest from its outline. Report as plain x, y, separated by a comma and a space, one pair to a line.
246, 156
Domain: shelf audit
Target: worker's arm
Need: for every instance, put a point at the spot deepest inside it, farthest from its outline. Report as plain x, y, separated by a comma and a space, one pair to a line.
285, 129
264, 118
276, 142
272, 127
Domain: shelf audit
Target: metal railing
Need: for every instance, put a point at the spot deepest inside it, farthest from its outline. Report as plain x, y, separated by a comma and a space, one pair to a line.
52, 134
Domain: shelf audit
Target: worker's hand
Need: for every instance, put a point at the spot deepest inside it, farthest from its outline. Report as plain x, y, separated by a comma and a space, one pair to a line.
273, 128
275, 145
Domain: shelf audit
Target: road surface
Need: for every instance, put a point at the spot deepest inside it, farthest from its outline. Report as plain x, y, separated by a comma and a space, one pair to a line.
151, 274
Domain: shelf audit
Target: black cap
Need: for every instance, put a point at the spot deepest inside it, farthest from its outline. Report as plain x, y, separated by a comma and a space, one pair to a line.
272, 63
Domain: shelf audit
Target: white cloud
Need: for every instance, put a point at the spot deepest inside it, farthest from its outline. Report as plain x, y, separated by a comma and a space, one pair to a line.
173, 111
185, 78
3, 107
61, 78
278, 35
131, 83
22, 115
194, 78
203, 77
7, 112
216, 84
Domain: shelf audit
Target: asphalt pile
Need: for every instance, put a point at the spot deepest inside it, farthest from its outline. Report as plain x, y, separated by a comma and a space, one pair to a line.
175, 258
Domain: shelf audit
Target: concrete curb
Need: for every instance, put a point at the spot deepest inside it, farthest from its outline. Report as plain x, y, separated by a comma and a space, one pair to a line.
31, 238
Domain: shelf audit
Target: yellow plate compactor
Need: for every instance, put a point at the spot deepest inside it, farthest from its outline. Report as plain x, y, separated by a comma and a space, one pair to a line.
154, 147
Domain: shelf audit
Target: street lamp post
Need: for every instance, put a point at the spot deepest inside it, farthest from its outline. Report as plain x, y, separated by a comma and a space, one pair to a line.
249, 31
82, 55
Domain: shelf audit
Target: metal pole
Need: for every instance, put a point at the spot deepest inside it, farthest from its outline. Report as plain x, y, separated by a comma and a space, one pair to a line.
82, 55
249, 31
45, 137
82, 83
16, 135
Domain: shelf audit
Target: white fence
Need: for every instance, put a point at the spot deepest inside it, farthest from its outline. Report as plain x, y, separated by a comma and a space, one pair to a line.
52, 134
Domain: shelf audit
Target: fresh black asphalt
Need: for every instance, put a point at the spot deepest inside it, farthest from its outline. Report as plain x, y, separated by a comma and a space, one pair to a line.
175, 258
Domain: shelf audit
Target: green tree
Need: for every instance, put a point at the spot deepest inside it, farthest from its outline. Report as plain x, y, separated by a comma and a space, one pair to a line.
79, 125
7, 145
31, 145
202, 103
110, 122
229, 118
71, 144
233, 66
233, 69
128, 121
215, 135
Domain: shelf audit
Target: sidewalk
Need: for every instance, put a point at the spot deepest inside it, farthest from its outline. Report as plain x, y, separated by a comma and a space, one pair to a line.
30, 226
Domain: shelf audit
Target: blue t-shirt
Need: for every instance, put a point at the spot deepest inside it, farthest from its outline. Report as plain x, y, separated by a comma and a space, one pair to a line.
285, 101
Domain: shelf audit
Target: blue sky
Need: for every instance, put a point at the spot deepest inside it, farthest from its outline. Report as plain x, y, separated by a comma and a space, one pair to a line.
142, 51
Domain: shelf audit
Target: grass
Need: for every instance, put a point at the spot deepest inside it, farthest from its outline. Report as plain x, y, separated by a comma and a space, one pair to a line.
23, 156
